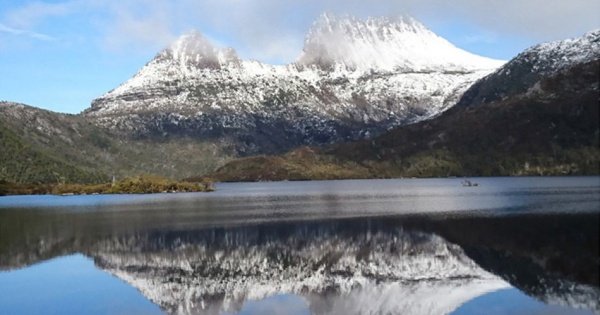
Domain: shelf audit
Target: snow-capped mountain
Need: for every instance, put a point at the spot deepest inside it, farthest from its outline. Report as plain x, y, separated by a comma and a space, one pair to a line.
399, 44
377, 74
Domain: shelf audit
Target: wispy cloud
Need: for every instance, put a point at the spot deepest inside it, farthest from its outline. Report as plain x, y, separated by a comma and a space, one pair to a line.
137, 24
32, 13
273, 29
26, 33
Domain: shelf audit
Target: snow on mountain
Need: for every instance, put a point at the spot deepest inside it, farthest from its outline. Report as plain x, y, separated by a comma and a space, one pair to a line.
194, 48
391, 44
523, 75
380, 74
559, 54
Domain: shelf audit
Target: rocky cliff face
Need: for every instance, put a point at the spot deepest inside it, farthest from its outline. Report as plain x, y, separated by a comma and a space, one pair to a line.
377, 74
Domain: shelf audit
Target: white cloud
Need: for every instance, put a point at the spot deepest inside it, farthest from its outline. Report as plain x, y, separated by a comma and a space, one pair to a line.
278, 50
539, 20
273, 29
30, 34
30, 14
137, 24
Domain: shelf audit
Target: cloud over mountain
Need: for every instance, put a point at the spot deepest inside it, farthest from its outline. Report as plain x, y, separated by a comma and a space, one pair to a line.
268, 28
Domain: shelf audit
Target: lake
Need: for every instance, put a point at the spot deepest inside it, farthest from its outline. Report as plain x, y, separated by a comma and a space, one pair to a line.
407, 246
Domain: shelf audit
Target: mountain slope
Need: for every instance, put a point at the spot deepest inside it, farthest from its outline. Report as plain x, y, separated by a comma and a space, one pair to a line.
537, 115
22, 164
195, 89
40, 146
524, 72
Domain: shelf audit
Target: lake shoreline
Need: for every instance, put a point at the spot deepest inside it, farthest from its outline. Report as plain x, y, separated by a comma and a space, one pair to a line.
201, 184
131, 185
395, 178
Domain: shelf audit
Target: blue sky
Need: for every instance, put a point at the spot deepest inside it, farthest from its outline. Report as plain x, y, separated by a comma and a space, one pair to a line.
61, 54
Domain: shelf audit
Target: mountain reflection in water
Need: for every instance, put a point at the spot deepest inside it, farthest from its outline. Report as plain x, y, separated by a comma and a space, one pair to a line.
221, 268
402, 264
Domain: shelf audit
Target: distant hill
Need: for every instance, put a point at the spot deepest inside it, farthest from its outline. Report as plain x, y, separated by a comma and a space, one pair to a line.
40, 146
536, 115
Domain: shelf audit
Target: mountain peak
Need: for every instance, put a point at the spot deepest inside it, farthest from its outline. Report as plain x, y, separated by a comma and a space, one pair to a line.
384, 43
328, 22
193, 48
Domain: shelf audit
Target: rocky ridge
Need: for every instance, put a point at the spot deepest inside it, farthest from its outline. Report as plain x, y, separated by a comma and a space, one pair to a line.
523, 75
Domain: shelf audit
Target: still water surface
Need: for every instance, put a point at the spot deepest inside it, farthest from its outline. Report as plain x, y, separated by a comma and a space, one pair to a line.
418, 246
